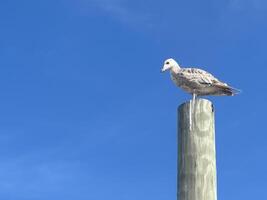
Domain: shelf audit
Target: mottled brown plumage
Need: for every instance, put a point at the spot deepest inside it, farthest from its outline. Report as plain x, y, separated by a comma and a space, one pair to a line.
197, 81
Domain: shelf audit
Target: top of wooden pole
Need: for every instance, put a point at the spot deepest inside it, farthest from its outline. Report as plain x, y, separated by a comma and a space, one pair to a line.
196, 113
206, 101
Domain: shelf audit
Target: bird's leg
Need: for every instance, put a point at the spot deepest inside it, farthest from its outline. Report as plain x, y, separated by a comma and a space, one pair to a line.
190, 115
193, 109
194, 102
194, 97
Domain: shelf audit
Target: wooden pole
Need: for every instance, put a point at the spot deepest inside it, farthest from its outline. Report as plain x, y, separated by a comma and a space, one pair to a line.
196, 151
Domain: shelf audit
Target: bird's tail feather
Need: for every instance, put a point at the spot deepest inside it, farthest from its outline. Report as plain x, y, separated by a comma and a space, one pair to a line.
227, 90
235, 90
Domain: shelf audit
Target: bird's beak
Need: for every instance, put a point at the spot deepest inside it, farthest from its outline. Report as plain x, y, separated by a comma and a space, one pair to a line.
163, 69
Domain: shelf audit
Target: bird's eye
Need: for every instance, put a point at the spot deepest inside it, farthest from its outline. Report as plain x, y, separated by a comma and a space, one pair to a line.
167, 63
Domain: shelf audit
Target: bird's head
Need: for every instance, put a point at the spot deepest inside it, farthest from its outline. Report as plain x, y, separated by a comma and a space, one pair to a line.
170, 64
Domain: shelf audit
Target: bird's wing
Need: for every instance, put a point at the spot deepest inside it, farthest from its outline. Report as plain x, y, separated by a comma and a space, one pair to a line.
199, 76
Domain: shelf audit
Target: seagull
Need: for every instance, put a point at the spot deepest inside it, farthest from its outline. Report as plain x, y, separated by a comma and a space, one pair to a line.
197, 81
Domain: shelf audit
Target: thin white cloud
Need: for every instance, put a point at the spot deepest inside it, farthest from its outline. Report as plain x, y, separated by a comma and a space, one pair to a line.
122, 12
248, 4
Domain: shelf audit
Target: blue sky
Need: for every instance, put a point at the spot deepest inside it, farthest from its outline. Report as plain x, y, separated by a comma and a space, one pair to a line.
85, 113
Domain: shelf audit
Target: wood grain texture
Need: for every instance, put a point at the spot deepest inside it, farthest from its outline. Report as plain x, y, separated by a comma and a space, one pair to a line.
196, 152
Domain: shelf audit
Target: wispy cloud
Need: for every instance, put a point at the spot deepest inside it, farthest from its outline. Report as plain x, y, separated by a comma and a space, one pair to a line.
248, 4
30, 178
121, 11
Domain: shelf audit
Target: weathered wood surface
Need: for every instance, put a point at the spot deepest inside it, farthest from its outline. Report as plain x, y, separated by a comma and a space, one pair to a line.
196, 152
